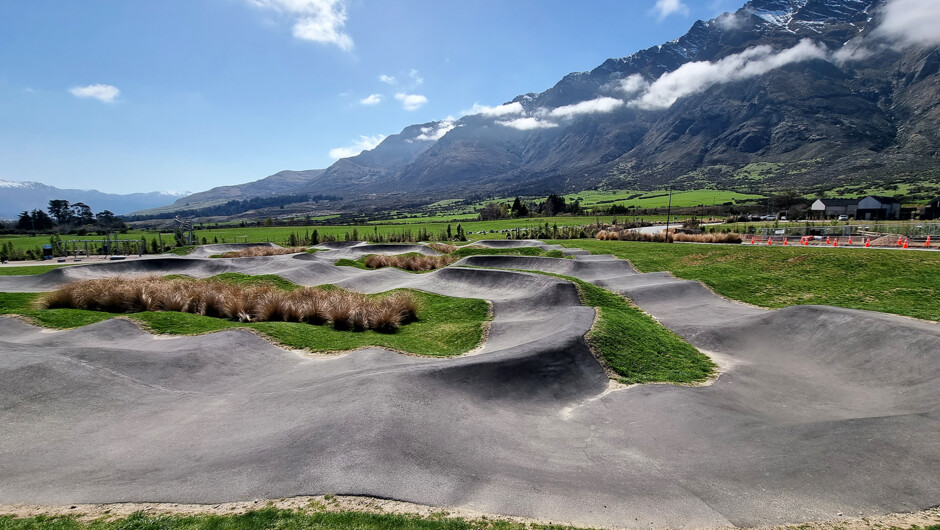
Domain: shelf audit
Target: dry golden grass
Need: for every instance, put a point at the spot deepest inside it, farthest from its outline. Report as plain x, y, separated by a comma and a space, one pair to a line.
659, 237
443, 248
409, 262
708, 238
253, 252
346, 310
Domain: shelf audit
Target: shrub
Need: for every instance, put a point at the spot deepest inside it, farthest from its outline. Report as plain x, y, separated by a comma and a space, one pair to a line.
347, 310
443, 248
660, 237
408, 262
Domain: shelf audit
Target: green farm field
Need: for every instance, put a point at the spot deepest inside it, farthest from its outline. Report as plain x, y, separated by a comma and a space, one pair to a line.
660, 198
280, 234
451, 209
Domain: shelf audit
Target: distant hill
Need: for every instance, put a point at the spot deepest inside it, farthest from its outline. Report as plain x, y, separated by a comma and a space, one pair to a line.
16, 197
280, 183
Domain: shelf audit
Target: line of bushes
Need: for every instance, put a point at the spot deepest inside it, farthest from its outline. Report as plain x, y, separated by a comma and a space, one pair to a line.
346, 310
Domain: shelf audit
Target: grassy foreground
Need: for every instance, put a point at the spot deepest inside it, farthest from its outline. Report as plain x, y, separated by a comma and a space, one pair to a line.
900, 282
446, 326
265, 519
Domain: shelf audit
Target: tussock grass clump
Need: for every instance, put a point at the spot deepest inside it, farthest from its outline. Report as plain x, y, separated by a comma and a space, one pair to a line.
346, 310
660, 237
708, 238
253, 252
443, 248
408, 262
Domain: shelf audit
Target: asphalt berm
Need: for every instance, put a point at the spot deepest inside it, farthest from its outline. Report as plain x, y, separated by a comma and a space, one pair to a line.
818, 411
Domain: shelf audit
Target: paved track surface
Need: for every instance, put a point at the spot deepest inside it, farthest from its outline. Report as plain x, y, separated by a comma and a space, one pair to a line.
818, 410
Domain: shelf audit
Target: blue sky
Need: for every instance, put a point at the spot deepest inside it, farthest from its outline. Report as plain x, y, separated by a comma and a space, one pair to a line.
184, 95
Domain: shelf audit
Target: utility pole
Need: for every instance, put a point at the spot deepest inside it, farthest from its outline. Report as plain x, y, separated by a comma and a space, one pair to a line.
668, 214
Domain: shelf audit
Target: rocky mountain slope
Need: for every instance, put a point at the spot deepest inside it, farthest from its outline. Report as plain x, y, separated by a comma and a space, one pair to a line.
807, 94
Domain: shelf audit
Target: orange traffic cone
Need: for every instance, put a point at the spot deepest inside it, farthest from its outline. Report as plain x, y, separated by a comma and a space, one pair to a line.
850, 240
770, 240
927, 244
900, 241
868, 242
785, 241
827, 240
905, 243
835, 242
753, 241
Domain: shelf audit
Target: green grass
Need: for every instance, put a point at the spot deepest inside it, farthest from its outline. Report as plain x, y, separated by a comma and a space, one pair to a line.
446, 326
635, 346
659, 198
268, 519
183, 251
903, 283
28, 270
357, 263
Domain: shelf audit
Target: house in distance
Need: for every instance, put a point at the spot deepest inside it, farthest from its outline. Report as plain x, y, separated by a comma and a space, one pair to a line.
878, 207
828, 208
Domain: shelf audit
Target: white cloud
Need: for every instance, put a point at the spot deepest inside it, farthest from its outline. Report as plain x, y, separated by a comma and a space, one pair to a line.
664, 8
387, 79
729, 21
365, 143
437, 131
633, 84
527, 124
910, 22
411, 101
104, 93
903, 23
494, 112
373, 99
594, 106
695, 77
416, 79
314, 20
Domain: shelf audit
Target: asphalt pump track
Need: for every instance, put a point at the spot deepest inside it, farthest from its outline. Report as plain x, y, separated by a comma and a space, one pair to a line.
818, 411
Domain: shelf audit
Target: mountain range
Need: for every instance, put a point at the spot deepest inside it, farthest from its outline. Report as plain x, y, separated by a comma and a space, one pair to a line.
812, 95
16, 197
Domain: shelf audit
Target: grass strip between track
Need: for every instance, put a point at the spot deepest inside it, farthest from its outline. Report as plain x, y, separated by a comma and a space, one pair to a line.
633, 346
446, 326
891, 281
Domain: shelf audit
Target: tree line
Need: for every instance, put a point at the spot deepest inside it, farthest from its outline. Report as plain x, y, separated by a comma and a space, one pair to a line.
551, 206
65, 216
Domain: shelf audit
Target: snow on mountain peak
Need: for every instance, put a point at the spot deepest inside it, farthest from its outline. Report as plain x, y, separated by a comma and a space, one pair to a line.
13, 184
777, 12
